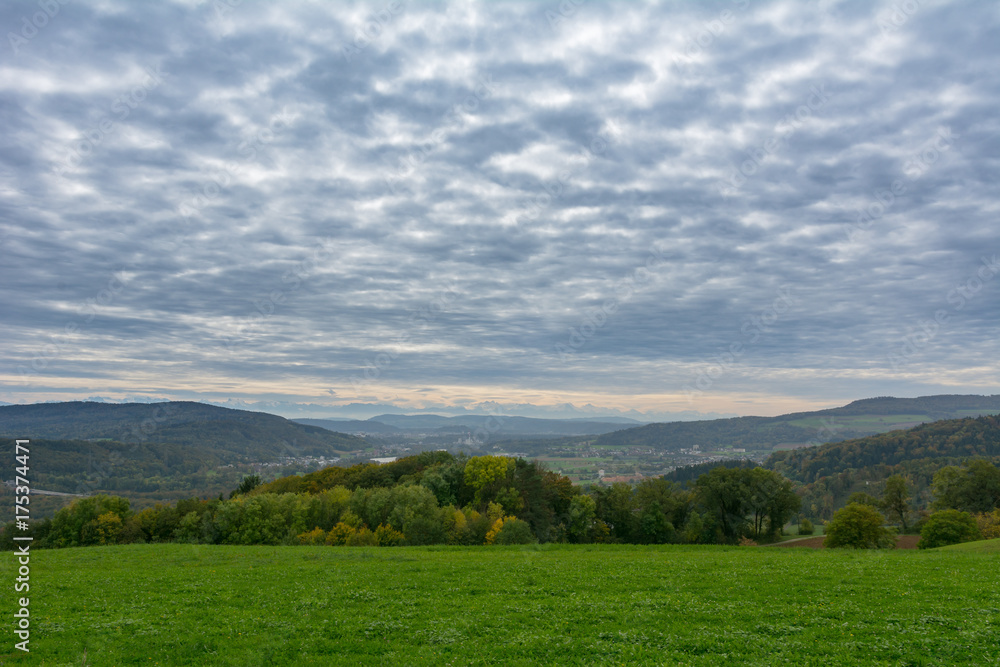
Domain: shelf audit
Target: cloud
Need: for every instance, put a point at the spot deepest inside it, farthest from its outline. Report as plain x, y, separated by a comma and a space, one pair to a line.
230, 205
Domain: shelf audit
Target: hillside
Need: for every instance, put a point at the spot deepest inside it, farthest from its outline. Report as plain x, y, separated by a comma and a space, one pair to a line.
830, 473
233, 435
856, 420
352, 426
946, 439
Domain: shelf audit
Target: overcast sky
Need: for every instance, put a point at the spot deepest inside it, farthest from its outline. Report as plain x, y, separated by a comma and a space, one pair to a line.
735, 207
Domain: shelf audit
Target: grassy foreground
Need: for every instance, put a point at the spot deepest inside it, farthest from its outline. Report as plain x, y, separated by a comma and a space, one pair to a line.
215, 605
979, 546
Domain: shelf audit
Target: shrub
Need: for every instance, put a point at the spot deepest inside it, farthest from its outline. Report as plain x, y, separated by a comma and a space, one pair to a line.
858, 526
316, 536
747, 542
339, 534
515, 531
988, 524
362, 538
948, 527
806, 527
494, 531
386, 536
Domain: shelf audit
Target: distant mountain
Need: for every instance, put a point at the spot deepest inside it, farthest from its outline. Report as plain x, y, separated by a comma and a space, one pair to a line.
351, 425
855, 420
498, 425
608, 420
235, 435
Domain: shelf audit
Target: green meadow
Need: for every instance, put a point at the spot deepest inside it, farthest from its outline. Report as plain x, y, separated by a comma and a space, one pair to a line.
175, 604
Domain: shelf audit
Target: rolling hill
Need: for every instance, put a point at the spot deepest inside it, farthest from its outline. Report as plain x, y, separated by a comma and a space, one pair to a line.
830, 473
352, 426
232, 435
855, 420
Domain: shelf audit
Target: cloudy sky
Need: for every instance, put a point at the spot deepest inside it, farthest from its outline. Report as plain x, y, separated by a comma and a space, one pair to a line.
735, 207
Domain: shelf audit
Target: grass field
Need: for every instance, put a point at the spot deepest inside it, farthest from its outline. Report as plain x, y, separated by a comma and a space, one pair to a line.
980, 546
575, 605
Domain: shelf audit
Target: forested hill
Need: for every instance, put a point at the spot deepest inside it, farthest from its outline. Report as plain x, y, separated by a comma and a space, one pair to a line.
855, 420
748, 432
248, 435
947, 439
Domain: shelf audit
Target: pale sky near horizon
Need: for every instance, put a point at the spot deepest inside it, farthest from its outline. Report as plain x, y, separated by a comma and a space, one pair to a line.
641, 209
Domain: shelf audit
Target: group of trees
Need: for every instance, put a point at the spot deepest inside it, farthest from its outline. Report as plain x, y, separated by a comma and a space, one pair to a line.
966, 500
438, 498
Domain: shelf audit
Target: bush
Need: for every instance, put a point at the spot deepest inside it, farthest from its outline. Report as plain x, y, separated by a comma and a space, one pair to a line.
806, 527
362, 538
515, 531
948, 527
386, 536
989, 524
858, 526
510, 530
339, 534
316, 536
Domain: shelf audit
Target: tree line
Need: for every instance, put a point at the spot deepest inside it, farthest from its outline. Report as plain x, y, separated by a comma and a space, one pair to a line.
439, 498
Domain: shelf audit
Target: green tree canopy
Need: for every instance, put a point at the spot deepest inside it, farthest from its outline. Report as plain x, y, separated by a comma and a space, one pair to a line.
895, 499
858, 526
948, 527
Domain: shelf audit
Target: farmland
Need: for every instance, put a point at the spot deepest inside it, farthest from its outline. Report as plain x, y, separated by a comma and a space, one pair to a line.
581, 604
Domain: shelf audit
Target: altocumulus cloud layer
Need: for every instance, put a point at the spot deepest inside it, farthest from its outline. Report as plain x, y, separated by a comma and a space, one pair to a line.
742, 207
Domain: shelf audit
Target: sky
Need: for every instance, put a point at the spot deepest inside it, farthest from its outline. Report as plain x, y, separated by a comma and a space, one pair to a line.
655, 210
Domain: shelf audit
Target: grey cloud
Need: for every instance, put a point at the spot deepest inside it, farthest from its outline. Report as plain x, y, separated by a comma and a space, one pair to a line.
236, 291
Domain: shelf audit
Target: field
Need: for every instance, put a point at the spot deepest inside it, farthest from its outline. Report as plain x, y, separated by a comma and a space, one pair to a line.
212, 605
981, 546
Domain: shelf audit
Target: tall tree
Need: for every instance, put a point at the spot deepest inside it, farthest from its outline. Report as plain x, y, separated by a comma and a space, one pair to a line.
895, 499
725, 494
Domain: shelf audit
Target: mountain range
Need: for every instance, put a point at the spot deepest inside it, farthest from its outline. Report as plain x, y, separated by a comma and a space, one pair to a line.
499, 425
